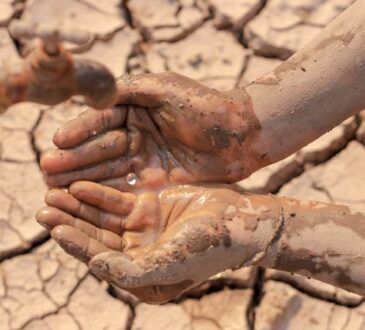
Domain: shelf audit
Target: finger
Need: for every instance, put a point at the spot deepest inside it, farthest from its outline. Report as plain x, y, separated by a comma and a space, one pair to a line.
66, 202
108, 169
105, 198
88, 124
133, 240
144, 90
77, 243
140, 118
110, 145
136, 141
51, 217
145, 216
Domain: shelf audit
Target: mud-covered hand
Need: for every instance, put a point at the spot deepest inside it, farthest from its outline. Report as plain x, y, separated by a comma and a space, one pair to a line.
178, 131
214, 136
158, 245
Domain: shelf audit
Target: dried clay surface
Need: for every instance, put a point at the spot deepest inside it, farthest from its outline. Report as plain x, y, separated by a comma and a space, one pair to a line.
223, 43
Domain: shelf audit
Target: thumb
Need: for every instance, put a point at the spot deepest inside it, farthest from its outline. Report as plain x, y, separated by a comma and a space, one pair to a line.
128, 273
144, 90
117, 268
122, 271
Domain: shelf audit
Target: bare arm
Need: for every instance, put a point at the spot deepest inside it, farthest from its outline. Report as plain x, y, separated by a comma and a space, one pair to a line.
197, 134
319, 240
316, 89
178, 238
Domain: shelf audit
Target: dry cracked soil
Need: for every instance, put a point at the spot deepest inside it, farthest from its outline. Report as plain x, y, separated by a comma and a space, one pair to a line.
223, 43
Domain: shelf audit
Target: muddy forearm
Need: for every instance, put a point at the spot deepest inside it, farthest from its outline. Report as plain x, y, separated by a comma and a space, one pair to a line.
316, 89
319, 240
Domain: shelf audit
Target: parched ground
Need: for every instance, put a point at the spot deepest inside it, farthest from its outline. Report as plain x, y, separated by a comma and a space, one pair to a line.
223, 43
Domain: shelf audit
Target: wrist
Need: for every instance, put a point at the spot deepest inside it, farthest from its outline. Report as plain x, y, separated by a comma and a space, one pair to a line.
254, 224
246, 124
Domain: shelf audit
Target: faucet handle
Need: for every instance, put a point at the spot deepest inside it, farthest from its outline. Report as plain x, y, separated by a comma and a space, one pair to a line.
51, 35
50, 74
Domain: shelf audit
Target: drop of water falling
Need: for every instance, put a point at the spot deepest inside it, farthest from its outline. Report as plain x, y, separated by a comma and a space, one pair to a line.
132, 179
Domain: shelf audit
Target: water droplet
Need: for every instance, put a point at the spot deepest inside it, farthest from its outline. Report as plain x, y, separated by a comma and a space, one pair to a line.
132, 179
95, 132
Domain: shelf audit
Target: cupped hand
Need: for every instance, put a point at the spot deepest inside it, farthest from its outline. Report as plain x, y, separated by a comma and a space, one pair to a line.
155, 245
174, 130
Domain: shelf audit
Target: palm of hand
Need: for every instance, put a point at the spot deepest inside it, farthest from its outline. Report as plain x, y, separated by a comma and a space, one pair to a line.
189, 134
123, 237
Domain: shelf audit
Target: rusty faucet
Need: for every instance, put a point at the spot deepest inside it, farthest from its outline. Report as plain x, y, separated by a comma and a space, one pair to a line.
50, 75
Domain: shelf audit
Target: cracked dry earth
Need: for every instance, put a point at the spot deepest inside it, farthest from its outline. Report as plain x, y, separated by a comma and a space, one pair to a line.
222, 43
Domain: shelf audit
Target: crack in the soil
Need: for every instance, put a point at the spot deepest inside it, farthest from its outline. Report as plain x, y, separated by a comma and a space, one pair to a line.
214, 286
33, 245
90, 5
241, 35
302, 166
59, 307
132, 306
313, 294
316, 186
204, 318
146, 34
33, 143
26, 246
330, 317
257, 296
138, 54
245, 65
184, 33
347, 321
78, 324
127, 13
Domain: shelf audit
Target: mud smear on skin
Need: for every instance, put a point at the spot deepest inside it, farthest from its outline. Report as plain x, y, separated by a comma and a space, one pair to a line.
296, 63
